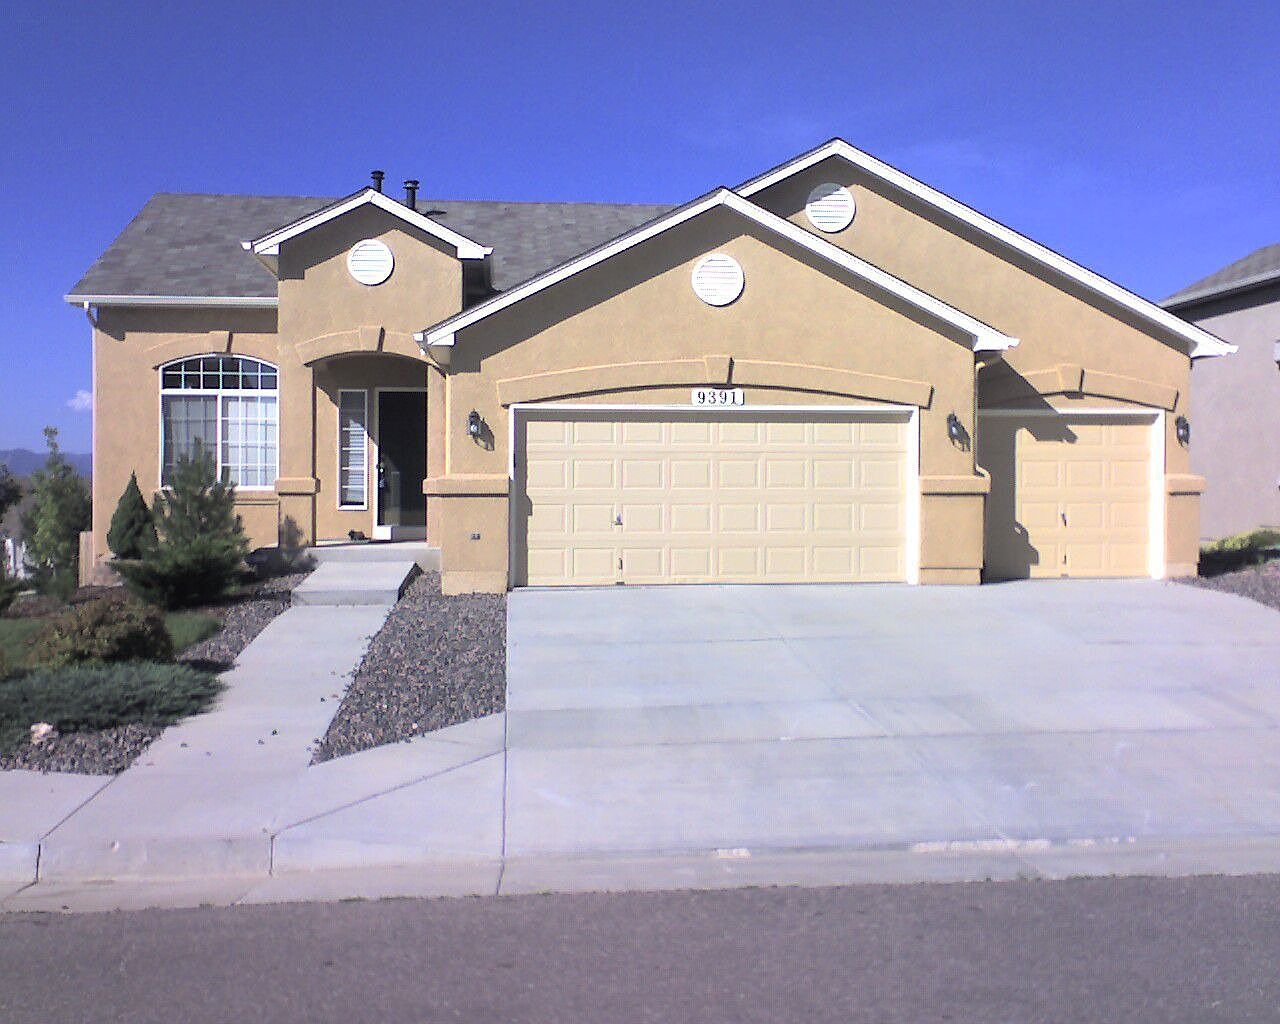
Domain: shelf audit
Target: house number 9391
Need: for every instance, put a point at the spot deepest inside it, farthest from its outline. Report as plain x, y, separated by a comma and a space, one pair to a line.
717, 396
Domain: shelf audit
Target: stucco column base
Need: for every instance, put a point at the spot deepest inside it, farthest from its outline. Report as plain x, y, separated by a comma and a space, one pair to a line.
951, 577
297, 526
468, 522
951, 528
1182, 525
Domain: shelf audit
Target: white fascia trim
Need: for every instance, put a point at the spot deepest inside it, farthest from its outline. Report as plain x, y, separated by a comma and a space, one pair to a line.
1200, 342
269, 245
249, 301
985, 338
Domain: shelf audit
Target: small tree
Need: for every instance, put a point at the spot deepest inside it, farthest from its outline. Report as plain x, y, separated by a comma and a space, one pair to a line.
197, 555
60, 511
132, 527
10, 490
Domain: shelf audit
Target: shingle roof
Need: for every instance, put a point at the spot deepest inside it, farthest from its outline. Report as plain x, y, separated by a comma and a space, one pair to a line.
1259, 267
189, 245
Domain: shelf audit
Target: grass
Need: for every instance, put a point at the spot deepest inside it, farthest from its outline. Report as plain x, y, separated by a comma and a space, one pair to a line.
186, 628
89, 697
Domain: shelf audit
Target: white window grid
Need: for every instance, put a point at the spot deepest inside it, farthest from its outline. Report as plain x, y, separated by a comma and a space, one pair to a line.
240, 428
353, 449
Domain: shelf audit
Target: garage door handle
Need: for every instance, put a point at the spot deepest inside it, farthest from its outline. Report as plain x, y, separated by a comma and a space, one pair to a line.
1064, 518
617, 520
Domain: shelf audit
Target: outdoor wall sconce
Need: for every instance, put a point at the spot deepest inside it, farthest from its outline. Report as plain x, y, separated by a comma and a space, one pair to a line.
474, 424
1183, 429
954, 430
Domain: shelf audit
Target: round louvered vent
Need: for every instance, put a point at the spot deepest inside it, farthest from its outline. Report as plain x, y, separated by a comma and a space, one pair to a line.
370, 261
830, 207
718, 279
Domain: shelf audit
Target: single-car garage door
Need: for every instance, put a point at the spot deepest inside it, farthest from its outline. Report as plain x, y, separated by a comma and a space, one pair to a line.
728, 496
1070, 494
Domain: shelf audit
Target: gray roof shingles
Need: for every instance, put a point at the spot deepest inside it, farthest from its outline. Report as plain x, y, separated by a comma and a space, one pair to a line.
1259, 266
189, 245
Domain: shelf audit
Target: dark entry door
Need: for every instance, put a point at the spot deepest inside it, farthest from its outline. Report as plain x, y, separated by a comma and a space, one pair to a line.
402, 459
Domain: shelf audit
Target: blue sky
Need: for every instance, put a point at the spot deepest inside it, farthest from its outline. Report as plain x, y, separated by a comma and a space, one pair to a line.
1141, 139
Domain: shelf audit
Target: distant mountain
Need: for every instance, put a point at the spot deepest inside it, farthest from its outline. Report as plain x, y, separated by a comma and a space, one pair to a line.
22, 461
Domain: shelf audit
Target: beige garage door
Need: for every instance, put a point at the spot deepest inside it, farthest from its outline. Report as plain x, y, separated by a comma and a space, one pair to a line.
1070, 495
730, 496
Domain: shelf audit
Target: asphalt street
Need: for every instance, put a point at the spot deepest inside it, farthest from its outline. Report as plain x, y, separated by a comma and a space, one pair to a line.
1098, 950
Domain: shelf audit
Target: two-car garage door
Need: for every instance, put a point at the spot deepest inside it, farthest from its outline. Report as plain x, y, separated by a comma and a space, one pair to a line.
669, 496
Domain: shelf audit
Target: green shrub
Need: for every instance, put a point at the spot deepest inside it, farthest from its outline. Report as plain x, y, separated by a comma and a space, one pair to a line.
108, 629
198, 556
1239, 551
132, 527
60, 511
89, 697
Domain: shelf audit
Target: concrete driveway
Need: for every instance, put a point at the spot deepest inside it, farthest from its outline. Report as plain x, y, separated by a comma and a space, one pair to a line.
1040, 715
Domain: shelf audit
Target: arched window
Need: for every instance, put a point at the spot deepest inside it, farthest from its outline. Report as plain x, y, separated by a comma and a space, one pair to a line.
228, 405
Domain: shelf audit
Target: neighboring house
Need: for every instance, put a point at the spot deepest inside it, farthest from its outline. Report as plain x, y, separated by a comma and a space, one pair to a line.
832, 372
1235, 407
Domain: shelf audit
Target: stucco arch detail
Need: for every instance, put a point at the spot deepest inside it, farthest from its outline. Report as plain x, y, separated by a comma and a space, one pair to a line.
361, 341
713, 370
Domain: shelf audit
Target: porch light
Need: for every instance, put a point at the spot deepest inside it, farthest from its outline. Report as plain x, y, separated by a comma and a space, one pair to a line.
954, 429
474, 423
1183, 429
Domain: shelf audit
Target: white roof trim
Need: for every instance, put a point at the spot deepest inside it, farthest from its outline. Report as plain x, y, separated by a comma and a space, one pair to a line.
1200, 342
269, 245
251, 301
985, 338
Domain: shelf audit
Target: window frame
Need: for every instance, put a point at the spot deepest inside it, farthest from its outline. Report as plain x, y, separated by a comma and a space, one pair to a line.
363, 506
218, 394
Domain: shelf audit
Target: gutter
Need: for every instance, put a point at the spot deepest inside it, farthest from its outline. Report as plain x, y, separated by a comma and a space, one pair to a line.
244, 301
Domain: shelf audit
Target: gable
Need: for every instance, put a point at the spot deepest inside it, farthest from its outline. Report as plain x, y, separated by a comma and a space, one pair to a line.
786, 188
318, 294
982, 336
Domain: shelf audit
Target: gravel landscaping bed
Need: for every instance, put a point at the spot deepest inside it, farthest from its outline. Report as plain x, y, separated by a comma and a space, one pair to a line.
109, 751
437, 661
1259, 583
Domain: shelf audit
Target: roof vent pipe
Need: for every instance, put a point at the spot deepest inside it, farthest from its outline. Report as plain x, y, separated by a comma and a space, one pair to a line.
411, 194
377, 177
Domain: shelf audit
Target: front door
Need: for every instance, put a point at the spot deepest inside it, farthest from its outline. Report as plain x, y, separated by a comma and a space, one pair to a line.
402, 465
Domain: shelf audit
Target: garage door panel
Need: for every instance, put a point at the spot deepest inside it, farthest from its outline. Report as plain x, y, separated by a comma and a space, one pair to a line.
732, 497
834, 471
742, 473
592, 518
643, 473
780, 518
882, 473
600, 473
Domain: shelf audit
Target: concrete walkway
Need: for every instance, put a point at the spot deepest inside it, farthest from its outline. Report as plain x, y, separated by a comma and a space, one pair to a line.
723, 736
203, 799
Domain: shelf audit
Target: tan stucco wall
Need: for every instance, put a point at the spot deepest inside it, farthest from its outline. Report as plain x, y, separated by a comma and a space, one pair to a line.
128, 344
639, 307
1056, 321
1235, 414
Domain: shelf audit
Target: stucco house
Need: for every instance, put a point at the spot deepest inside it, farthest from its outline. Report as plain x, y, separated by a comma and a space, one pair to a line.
831, 372
1235, 405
